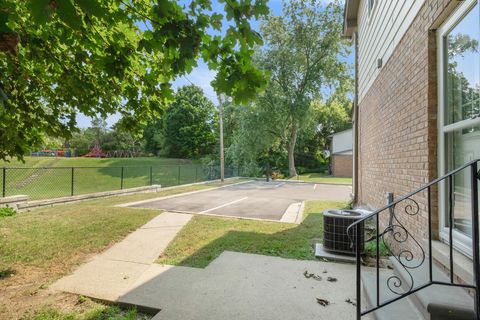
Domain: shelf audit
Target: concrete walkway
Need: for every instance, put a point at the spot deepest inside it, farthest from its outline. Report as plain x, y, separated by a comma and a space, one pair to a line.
110, 275
234, 286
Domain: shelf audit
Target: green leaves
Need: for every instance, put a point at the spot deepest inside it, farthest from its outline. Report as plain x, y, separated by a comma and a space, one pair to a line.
188, 128
303, 59
40, 10
97, 57
68, 14
92, 7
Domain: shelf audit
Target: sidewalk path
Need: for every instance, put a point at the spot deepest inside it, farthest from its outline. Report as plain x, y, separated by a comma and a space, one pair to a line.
110, 275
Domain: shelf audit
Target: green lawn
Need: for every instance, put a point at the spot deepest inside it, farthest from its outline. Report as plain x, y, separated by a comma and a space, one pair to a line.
91, 311
54, 235
322, 178
204, 238
42, 177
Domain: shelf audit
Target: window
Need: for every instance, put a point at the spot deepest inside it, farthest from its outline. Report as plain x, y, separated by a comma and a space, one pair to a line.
459, 124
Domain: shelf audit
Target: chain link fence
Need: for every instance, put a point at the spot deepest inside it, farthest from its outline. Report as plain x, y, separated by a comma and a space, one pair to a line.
53, 182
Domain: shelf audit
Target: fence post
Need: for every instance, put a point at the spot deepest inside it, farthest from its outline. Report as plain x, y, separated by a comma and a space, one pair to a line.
73, 181
121, 180
178, 175
151, 175
4, 179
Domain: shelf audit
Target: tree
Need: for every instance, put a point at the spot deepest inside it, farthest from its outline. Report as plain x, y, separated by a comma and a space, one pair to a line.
59, 58
82, 141
188, 128
305, 57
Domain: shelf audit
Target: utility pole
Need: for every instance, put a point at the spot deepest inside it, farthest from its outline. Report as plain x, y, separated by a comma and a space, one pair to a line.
222, 159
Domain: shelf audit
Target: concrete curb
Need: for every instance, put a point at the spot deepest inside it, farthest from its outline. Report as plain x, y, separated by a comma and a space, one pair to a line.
294, 213
21, 203
89, 196
306, 182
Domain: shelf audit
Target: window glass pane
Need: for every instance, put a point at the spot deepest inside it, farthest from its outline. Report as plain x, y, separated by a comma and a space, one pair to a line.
463, 146
462, 87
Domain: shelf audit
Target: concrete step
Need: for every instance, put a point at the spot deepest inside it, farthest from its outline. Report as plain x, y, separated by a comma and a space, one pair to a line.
402, 309
436, 301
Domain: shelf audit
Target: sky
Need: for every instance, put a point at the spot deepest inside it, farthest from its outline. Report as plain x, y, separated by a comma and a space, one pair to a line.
201, 76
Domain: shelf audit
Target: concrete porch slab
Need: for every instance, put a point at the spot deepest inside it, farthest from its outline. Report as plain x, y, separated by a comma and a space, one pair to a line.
246, 286
321, 253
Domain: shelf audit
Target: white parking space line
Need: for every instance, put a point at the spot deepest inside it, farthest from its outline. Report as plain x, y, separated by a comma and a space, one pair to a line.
224, 205
280, 184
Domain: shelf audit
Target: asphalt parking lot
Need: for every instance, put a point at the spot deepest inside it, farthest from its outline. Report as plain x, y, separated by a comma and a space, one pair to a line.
280, 201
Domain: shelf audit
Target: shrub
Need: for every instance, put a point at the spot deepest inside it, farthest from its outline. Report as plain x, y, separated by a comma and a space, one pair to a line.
371, 249
277, 175
7, 211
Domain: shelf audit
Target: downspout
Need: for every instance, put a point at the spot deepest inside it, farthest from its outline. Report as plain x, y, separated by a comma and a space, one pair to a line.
355, 123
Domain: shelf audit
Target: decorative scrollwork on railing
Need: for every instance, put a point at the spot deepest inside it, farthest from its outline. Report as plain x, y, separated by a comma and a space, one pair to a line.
394, 283
399, 234
412, 208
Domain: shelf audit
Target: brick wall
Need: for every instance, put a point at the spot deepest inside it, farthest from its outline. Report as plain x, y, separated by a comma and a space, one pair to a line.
398, 125
342, 165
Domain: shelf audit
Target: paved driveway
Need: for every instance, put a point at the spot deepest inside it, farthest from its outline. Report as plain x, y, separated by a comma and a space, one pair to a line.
255, 199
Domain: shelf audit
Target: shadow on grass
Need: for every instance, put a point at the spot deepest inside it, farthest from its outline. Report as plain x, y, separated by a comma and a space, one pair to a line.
257, 237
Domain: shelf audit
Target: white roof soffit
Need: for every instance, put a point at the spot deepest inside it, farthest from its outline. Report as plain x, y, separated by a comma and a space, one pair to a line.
350, 17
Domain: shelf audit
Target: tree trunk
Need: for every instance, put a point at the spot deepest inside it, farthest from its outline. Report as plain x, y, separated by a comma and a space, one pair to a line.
292, 141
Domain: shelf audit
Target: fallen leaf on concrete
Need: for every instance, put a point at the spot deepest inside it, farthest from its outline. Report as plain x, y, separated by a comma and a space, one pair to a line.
332, 279
308, 275
353, 303
323, 302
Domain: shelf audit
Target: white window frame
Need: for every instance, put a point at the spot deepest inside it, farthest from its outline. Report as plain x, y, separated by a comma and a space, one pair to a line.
461, 242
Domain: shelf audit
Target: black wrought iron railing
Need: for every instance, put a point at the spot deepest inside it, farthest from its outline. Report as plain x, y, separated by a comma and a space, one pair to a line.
415, 255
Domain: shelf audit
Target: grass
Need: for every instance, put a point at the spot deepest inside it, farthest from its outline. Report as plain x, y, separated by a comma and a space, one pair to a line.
95, 311
44, 177
322, 178
93, 162
40, 246
52, 235
371, 249
204, 238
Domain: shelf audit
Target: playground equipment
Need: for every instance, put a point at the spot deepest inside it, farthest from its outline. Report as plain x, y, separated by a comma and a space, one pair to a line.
52, 153
96, 152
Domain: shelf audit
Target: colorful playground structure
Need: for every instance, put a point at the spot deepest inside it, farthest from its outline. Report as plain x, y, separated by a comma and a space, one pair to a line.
53, 153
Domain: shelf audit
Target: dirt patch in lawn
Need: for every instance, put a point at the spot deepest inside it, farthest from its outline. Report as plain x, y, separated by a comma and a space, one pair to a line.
26, 291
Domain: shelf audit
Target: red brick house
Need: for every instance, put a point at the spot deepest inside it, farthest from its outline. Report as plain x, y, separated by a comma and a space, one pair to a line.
417, 118
341, 154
